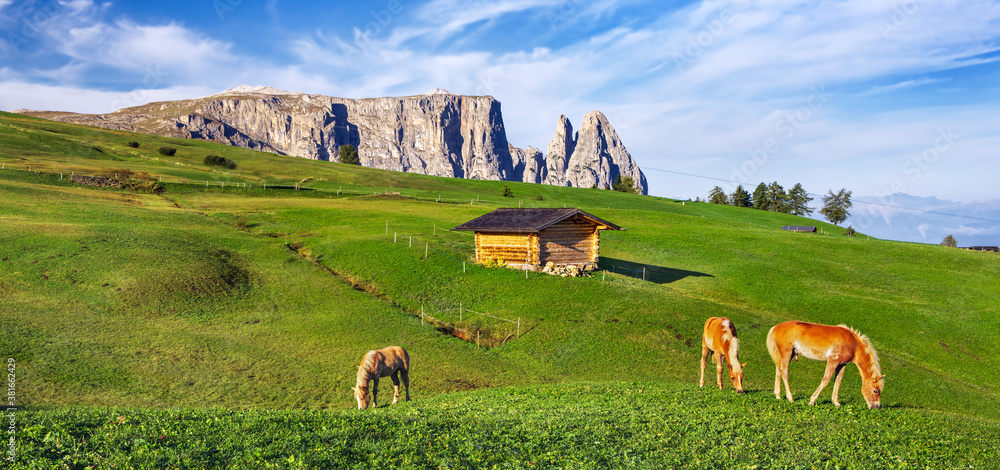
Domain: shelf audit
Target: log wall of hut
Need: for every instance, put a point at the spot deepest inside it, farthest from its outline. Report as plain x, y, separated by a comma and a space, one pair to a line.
572, 241
513, 248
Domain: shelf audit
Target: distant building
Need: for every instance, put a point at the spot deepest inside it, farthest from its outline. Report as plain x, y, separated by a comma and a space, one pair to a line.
533, 237
995, 249
799, 228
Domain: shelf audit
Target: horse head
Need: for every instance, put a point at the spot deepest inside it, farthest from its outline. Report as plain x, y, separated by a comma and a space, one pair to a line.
871, 389
736, 376
362, 396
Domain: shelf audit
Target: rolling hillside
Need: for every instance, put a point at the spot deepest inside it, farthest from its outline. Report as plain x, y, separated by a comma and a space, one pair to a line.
230, 293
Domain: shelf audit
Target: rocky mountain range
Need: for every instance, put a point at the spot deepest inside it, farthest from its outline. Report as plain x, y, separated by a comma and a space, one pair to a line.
437, 133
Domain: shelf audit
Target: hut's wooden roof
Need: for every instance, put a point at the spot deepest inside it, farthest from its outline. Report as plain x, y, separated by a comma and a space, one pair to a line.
527, 220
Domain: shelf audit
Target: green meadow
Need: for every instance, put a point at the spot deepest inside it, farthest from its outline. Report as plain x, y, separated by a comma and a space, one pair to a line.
219, 320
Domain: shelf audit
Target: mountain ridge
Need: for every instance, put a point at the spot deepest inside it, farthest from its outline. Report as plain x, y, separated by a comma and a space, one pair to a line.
437, 133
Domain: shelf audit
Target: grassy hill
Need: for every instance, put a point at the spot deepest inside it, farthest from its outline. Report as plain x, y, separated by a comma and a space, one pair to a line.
231, 293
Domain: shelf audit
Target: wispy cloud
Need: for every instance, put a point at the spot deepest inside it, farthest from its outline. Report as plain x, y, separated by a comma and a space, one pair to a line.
901, 86
695, 87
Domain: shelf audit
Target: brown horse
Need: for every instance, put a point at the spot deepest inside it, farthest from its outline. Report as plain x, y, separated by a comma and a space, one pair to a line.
392, 361
837, 345
720, 340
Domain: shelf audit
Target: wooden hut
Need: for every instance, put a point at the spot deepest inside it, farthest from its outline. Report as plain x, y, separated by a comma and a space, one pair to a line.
799, 228
535, 237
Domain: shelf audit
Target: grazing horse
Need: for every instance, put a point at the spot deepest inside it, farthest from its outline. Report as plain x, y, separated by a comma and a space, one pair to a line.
392, 361
837, 345
720, 340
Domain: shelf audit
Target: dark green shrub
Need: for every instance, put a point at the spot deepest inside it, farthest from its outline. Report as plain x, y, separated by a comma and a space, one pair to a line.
850, 231
133, 144
539, 198
506, 191
349, 155
168, 151
224, 162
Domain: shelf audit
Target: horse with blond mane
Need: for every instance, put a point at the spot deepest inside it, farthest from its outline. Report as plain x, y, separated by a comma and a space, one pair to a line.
392, 361
720, 340
837, 345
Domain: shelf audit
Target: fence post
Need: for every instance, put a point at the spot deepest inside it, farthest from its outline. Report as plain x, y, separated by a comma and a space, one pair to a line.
519, 327
426, 248
411, 241
463, 266
604, 274
478, 334
421, 314
394, 237
643, 273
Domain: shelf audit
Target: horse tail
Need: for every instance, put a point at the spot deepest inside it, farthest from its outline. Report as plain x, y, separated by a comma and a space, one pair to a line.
772, 346
406, 360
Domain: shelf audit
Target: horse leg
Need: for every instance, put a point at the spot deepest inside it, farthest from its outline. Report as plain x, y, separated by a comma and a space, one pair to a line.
704, 362
836, 383
785, 363
375, 392
831, 367
406, 382
395, 387
718, 358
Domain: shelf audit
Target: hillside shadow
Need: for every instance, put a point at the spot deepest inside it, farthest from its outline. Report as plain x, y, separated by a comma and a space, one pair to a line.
656, 274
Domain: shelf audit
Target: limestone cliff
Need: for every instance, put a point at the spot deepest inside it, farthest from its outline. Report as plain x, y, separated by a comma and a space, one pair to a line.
599, 156
437, 133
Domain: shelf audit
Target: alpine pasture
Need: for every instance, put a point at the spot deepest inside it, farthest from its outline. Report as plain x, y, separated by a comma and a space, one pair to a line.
219, 323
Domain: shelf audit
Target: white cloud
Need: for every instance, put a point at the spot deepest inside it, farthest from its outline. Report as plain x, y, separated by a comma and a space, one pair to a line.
695, 90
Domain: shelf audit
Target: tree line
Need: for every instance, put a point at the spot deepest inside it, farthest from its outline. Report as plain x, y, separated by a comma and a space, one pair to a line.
773, 197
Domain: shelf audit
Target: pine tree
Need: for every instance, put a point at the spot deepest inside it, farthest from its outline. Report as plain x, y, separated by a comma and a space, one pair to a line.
740, 197
760, 197
777, 200
836, 206
799, 201
717, 196
625, 184
349, 155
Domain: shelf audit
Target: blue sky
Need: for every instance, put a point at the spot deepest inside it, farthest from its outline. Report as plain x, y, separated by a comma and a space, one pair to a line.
878, 97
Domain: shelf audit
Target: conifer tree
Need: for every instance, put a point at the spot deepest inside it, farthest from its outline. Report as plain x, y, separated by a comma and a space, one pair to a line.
836, 206
717, 196
798, 200
777, 200
740, 197
760, 197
